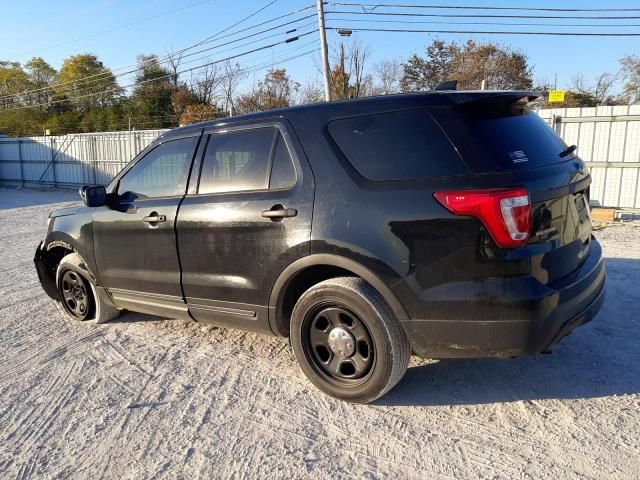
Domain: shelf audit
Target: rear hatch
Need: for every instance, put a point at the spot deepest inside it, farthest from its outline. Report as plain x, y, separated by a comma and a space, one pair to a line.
506, 144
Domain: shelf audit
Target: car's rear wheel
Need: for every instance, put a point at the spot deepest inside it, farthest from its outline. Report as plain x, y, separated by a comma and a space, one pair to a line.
79, 298
347, 340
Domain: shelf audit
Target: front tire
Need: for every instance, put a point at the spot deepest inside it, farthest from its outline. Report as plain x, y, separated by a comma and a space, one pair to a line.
347, 340
78, 296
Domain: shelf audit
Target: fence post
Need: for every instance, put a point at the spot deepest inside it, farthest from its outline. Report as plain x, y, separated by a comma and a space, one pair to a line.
94, 159
53, 162
20, 160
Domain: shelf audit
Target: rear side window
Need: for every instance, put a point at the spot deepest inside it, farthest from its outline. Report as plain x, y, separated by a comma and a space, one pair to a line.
519, 142
397, 146
283, 173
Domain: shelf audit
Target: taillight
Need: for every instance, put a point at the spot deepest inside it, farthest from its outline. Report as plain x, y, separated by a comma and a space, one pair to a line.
505, 213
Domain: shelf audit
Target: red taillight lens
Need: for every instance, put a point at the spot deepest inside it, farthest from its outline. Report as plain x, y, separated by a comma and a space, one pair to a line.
505, 213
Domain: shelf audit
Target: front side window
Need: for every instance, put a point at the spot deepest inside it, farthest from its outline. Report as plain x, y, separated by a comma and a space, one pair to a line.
237, 161
163, 172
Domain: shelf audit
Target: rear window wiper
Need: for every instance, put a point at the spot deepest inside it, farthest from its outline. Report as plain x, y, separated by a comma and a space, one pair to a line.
568, 151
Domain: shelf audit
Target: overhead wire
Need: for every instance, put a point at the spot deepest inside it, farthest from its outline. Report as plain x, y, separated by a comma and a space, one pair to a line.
165, 59
482, 7
488, 32
137, 22
120, 88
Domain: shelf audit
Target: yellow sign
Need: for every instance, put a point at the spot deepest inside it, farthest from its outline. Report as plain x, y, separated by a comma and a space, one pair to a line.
47, 132
556, 96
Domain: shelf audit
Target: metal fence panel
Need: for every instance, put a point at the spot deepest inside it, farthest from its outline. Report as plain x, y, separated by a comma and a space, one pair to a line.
608, 139
70, 160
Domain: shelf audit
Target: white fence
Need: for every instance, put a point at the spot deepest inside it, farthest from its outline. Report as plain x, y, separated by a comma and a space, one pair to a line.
69, 160
608, 140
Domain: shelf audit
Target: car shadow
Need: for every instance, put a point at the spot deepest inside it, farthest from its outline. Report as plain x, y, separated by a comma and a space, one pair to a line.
31, 197
599, 359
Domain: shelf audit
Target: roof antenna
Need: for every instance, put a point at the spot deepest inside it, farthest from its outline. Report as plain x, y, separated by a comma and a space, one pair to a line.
449, 85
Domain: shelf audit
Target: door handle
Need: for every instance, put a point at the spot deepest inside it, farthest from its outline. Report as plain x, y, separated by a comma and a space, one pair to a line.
278, 212
154, 219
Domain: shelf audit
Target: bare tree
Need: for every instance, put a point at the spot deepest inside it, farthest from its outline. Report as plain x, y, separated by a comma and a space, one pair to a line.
388, 75
310, 92
232, 77
601, 92
631, 74
174, 59
358, 54
207, 84
348, 76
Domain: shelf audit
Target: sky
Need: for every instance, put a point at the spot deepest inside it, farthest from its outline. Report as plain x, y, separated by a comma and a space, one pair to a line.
118, 30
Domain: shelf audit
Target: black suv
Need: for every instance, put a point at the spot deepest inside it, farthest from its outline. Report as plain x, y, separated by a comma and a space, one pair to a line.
444, 224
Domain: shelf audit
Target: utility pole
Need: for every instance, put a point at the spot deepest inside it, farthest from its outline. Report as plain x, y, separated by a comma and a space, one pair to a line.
323, 51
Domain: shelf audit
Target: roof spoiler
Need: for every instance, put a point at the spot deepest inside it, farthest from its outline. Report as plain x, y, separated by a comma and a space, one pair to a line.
448, 85
501, 102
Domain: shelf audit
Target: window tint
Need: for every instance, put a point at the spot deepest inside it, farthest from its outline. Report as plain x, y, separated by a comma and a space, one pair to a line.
397, 146
283, 173
237, 161
162, 172
520, 141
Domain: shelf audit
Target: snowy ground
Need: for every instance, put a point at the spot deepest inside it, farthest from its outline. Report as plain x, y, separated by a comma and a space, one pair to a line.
146, 397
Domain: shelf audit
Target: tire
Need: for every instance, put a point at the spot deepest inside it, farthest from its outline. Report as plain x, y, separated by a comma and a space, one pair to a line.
347, 340
75, 288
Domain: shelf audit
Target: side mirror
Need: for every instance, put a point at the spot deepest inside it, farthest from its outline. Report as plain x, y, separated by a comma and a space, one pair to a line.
93, 196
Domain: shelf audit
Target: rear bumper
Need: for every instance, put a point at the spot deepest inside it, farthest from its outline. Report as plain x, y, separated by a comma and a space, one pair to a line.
540, 316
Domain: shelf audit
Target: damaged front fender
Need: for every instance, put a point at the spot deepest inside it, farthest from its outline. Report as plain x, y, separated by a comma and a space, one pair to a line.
46, 268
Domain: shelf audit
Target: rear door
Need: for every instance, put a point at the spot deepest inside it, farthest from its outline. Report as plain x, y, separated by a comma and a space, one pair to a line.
247, 219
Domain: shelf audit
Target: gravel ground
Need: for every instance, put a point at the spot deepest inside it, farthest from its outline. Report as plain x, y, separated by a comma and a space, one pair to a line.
144, 397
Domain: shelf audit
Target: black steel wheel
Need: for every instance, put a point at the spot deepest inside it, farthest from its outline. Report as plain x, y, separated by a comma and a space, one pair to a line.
339, 344
347, 340
75, 294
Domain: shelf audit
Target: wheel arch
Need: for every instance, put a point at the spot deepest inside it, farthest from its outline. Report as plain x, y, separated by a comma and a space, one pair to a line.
47, 259
312, 269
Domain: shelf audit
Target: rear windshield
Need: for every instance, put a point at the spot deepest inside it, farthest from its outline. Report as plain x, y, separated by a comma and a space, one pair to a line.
519, 141
396, 146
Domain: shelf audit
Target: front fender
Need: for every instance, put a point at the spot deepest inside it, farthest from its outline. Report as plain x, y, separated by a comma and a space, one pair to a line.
46, 271
70, 230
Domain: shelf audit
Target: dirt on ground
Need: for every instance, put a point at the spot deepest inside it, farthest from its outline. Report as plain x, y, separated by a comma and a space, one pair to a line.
146, 397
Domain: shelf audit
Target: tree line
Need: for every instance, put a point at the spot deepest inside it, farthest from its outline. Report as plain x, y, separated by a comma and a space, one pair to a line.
85, 96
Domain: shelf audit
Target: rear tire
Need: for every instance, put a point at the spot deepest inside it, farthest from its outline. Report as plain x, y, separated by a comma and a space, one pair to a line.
76, 290
347, 340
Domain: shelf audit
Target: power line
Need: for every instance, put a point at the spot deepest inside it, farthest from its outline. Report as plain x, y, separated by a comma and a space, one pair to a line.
458, 7
138, 67
114, 90
67, 90
124, 120
482, 15
113, 29
508, 24
472, 32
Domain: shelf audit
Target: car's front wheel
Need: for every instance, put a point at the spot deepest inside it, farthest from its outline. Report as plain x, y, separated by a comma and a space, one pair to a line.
347, 340
77, 295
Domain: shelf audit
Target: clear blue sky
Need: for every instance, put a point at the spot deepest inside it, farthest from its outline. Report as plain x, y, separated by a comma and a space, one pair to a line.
55, 30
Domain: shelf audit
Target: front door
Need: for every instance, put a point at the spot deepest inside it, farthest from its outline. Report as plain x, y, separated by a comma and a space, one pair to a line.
134, 237
248, 220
